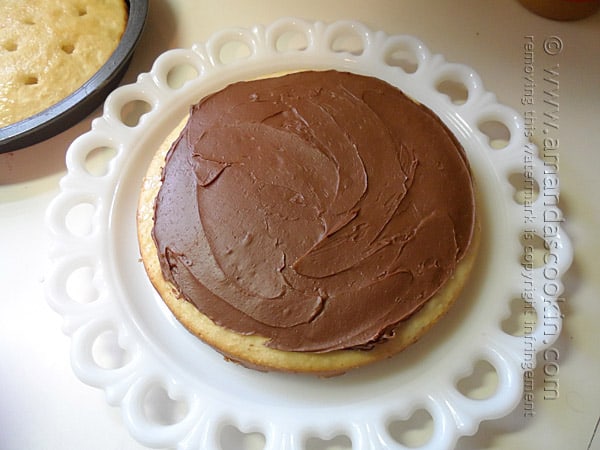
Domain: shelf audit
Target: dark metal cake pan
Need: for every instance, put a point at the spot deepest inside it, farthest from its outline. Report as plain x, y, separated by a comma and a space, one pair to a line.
84, 100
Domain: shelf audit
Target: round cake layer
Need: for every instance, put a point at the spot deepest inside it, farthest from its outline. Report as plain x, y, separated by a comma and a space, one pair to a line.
317, 211
49, 48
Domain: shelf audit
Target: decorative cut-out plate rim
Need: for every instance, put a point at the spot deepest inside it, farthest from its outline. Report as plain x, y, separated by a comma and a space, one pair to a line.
288, 409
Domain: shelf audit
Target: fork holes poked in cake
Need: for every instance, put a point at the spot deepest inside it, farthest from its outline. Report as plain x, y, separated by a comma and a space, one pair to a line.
232, 438
161, 408
339, 442
481, 383
67, 48
10, 46
414, 432
30, 80
43, 35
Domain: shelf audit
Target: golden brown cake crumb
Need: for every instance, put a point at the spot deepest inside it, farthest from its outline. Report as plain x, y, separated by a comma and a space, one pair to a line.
50, 48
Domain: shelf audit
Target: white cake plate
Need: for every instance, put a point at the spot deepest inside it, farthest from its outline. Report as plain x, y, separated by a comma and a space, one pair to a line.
176, 392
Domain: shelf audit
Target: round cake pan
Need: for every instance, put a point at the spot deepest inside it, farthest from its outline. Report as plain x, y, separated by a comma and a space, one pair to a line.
84, 100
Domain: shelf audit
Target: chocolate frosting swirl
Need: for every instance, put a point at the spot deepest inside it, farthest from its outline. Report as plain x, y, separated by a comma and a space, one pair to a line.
316, 209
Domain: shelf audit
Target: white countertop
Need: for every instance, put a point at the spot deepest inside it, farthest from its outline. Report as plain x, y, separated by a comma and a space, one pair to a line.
44, 406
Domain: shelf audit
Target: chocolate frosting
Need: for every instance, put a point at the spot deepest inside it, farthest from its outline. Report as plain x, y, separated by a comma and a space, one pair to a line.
316, 209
